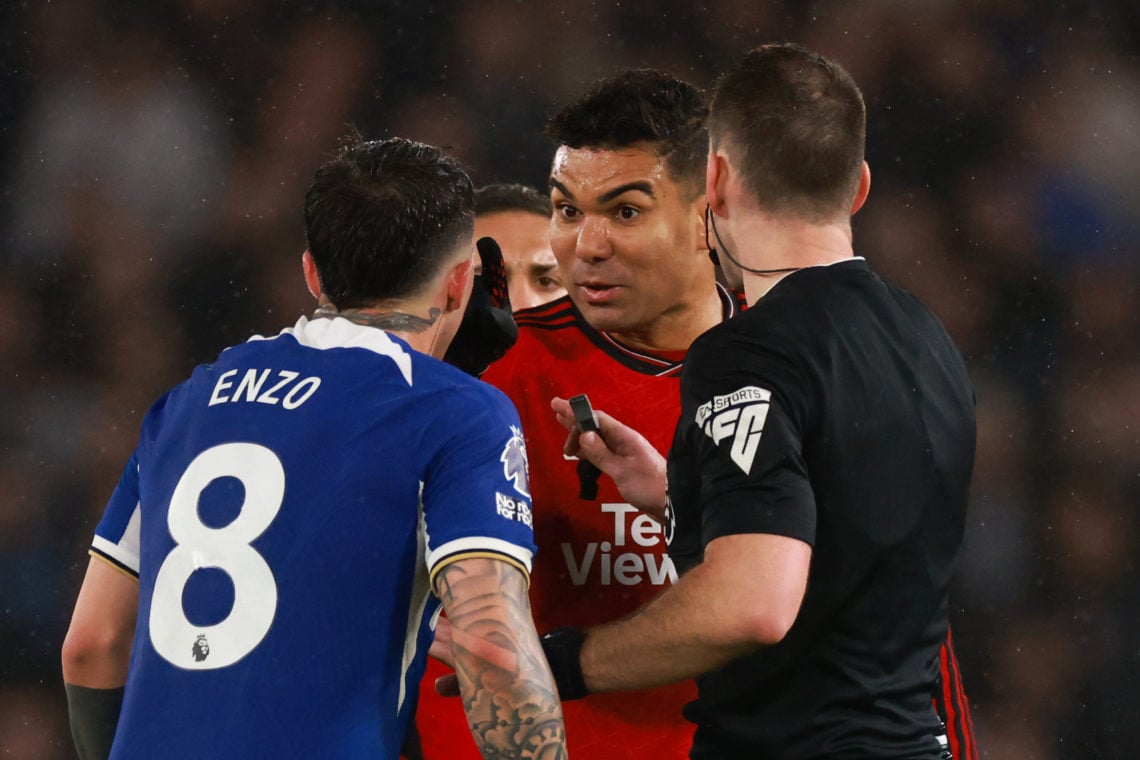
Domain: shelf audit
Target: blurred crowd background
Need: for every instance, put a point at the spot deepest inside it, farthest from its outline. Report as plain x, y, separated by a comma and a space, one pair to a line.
154, 156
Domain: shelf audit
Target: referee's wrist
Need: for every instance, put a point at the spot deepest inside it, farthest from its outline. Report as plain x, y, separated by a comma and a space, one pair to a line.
563, 649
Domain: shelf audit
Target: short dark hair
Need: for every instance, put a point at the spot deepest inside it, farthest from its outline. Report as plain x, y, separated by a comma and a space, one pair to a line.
794, 124
382, 217
641, 105
491, 199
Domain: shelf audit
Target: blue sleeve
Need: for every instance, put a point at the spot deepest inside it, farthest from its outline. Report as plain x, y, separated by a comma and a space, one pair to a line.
476, 496
117, 535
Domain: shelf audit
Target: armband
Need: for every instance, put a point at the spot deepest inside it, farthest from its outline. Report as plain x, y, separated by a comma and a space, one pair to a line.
563, 649
94, 715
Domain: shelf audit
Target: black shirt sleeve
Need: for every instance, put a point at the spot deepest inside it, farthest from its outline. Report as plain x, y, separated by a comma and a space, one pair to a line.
743, 410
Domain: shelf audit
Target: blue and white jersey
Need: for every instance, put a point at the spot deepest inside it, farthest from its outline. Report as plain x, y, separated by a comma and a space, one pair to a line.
286, 511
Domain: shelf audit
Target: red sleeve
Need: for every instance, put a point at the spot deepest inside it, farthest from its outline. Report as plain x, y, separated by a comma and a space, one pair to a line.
952, 705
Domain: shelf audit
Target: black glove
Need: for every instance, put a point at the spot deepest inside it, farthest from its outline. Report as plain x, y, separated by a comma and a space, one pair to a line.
563, 649
488, 328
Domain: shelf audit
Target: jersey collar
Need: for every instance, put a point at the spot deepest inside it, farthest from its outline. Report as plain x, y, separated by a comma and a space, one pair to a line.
651, 363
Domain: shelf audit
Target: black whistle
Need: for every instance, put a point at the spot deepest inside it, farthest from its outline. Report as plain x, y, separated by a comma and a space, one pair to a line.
587, 422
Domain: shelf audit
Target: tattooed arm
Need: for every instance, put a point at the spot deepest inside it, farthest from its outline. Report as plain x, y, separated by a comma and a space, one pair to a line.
507, 690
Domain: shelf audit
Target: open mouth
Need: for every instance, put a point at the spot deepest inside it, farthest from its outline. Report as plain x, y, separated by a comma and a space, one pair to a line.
597, 292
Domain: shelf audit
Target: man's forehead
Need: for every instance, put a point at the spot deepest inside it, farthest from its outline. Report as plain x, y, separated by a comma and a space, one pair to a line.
510, 218
595, 170
517, 232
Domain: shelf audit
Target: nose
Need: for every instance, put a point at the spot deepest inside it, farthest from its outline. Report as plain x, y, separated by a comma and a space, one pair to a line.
594, 240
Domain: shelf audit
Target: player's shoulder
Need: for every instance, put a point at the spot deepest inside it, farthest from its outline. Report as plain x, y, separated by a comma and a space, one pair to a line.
460, 385
911, 305
751, 329
155, 416
443, 391
762, 341
799, 307
554, 315
545, 328
548, 333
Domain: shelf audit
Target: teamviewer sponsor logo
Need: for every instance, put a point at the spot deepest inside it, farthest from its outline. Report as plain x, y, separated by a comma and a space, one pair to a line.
633, 556
739, 415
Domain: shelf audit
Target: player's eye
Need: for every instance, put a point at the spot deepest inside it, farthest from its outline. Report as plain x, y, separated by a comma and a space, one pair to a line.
627, 212
566, 211
548, 283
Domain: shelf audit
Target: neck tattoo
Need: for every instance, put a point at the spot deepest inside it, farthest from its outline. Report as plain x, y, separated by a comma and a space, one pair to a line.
396, 321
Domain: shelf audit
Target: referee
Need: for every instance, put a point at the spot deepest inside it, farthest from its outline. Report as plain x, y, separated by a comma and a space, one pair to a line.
818, 478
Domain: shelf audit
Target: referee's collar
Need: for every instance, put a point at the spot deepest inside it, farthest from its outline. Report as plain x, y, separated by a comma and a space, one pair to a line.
857, 261
847, 260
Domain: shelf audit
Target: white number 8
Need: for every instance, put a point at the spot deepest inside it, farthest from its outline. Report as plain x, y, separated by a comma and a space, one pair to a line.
227, 548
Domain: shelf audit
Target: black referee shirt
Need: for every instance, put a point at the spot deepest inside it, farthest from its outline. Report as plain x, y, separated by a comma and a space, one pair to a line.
836, 411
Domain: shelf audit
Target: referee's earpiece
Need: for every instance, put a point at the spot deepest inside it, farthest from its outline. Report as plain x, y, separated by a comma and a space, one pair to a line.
708, 242
714, 178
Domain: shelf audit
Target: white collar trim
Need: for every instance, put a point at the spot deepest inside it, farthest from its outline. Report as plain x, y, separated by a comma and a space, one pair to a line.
338, 332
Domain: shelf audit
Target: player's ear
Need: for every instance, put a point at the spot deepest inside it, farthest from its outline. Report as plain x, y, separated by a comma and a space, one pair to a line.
312, 279
458, 282
716, 182
863, 190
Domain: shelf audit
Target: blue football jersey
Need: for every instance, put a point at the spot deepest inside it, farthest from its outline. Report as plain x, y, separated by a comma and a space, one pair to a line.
286, 511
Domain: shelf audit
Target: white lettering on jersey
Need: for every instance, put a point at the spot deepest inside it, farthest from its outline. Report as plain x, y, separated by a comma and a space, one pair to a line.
249, 388
514, 509
739, 415
286, 378
627, 568
251, 383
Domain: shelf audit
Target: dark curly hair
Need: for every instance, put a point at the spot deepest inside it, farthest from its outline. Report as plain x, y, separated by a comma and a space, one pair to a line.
383, 216
641, 106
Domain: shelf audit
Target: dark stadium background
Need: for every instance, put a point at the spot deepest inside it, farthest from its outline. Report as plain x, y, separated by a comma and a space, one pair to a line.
153, 158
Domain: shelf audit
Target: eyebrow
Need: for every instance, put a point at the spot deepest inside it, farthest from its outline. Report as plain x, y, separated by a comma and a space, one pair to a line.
561, 188
609, 195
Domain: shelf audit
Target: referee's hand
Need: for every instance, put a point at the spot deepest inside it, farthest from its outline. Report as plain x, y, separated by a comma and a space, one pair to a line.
448, 685
441, 644
637, 469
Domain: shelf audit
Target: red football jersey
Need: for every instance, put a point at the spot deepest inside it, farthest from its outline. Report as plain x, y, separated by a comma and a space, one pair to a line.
598, 558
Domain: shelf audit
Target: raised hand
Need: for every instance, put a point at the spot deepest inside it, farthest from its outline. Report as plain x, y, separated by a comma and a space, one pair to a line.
637, 469
488, 328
